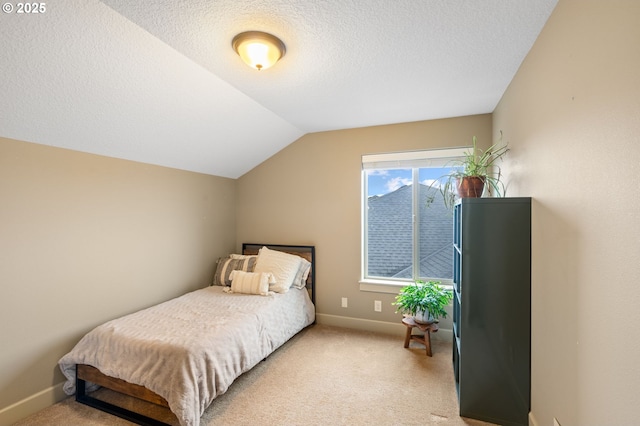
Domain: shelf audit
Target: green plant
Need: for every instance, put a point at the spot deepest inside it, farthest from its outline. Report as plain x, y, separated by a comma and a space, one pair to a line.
424, 296
476, 163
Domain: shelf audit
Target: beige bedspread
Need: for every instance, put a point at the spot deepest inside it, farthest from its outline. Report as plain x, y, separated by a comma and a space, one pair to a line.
190, 349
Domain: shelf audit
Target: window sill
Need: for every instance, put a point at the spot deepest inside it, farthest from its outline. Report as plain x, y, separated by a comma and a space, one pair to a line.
392, 287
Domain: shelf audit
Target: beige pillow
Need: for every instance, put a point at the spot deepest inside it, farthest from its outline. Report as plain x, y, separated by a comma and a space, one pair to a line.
283, 266
251, 282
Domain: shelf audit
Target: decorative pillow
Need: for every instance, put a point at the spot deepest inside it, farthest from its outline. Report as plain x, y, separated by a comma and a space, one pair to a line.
226, 265
251, 282
242, 256
300, 281
283, 266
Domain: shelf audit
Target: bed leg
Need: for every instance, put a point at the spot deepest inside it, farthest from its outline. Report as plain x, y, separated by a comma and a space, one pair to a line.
81, 392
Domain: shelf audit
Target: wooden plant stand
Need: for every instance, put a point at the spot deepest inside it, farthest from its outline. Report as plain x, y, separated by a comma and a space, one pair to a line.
425, 328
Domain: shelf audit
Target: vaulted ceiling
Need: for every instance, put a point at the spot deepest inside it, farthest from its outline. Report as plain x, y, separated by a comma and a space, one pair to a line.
158, 82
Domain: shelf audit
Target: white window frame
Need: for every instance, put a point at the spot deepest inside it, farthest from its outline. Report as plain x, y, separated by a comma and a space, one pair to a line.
398, 160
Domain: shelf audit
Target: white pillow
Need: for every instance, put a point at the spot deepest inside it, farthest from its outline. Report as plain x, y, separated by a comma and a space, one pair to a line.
300, 281
283, 266
251, 282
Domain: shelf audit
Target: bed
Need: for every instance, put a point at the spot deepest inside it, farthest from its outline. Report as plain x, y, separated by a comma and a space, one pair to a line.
183, 353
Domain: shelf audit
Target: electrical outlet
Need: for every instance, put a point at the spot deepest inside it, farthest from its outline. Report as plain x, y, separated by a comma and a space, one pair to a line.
344, 302
377, 306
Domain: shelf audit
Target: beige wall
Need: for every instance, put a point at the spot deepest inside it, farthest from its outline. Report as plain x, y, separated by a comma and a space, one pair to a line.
310, 193
84, 239
572, 114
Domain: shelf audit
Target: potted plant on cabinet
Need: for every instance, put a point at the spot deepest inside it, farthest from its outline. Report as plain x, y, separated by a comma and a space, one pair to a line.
477, 170
424, 300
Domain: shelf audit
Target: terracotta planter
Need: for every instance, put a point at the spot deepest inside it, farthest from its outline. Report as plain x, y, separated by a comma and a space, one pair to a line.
470, 187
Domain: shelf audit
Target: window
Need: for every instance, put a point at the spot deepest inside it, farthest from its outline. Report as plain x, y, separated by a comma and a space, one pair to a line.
407, 230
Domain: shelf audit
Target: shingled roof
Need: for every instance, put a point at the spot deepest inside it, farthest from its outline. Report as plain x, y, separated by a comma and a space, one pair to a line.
390, 234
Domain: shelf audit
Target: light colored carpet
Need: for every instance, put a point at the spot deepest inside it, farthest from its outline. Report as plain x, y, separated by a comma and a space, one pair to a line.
323, 376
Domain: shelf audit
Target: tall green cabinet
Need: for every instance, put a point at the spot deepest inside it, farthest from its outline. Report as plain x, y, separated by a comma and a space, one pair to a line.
492, 308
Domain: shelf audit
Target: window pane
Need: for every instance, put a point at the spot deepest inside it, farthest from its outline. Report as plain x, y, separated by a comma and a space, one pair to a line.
389, 223
394, 240
435, 226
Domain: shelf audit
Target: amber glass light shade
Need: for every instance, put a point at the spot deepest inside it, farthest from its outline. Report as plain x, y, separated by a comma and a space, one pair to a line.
257, 49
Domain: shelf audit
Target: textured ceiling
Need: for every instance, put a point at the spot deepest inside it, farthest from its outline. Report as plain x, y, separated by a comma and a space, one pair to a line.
157, 81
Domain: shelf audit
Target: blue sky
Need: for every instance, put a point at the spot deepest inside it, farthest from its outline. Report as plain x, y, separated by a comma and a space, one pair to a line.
384, 181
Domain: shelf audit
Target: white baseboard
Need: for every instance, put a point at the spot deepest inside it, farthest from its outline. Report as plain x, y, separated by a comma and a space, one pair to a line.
32, 404
376, 326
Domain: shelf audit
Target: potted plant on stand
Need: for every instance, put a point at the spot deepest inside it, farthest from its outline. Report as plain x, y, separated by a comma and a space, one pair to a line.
424, 300
476, 171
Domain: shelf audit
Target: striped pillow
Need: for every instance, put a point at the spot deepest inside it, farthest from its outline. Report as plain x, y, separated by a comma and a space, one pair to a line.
251, 282
226, 265
300, 281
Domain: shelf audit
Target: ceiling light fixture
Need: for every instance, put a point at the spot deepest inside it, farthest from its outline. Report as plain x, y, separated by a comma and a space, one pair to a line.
257, 49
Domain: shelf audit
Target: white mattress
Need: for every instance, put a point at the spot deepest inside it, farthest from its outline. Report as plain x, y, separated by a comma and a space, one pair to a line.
190, 349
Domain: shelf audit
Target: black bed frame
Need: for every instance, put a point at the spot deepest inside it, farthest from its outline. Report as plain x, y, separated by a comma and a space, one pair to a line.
84, 398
